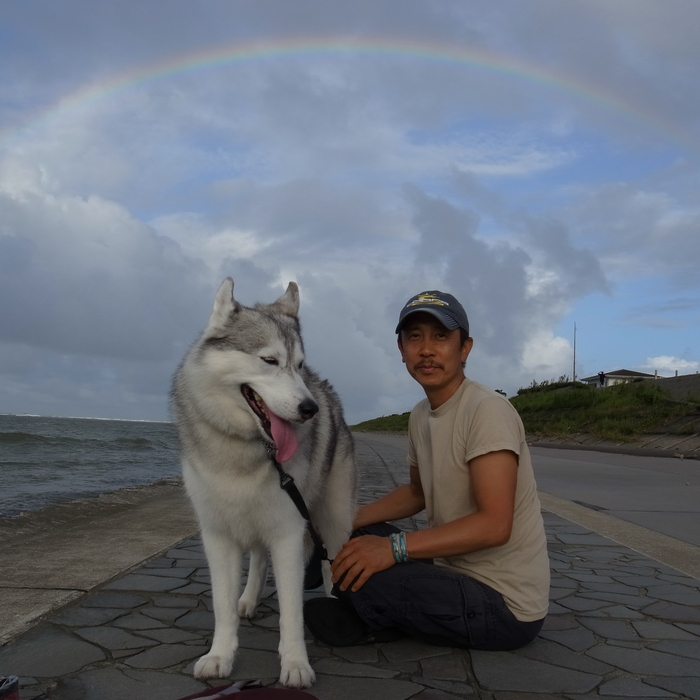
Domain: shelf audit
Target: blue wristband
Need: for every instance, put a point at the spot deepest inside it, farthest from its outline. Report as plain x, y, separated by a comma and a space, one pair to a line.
395, 547
398, 547
404, 549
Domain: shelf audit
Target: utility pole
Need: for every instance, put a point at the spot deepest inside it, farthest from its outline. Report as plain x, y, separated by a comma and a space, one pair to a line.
574, 352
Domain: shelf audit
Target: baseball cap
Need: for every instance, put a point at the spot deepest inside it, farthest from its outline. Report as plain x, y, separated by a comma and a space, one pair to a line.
443, 306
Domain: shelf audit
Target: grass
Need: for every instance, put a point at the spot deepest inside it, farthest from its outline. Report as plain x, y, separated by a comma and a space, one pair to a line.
620, 412
560, 408
395, 423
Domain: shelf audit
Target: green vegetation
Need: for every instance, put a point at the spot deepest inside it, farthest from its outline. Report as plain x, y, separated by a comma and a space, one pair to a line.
562, 407
620, 412
395, 423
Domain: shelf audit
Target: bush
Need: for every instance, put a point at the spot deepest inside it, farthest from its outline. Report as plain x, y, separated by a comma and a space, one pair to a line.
619, 412
551, 385
395, 423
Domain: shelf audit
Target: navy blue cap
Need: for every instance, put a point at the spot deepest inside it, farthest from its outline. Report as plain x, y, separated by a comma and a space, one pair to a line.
443, 306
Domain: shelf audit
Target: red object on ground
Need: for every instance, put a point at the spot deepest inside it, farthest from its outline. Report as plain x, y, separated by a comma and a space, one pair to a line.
250, 690
9, 688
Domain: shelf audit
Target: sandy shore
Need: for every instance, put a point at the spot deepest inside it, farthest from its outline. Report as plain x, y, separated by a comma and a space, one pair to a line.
56, 555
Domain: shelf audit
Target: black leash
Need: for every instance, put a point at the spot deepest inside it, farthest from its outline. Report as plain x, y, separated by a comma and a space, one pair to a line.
288, 485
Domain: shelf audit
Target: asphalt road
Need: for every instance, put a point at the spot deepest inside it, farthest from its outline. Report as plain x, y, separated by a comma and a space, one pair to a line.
659, 493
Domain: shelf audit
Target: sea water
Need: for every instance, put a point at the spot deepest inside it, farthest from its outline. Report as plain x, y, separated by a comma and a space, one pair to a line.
46, 460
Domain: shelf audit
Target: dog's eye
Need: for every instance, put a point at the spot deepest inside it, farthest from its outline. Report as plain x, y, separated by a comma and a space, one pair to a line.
301, 364
270, 360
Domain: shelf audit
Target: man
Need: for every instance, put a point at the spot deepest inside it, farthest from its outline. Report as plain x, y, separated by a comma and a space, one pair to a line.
478, 576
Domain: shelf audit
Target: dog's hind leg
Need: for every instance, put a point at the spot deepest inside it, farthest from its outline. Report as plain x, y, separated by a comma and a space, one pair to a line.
287, 554
257, 575
225, 558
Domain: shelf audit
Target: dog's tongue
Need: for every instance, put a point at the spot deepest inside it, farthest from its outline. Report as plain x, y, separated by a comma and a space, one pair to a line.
284, 437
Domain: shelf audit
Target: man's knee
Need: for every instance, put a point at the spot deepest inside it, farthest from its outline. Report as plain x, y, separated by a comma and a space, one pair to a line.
378, 529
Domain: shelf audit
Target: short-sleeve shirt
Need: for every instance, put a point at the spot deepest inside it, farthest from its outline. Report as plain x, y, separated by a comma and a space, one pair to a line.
473, 422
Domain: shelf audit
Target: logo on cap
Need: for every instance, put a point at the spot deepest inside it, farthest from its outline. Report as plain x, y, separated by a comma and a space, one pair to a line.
424, 298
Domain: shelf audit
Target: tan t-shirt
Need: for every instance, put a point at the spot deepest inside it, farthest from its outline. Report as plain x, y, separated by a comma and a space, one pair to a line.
474, 421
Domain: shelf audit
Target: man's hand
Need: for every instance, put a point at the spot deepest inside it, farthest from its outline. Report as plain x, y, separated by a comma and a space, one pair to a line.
359, 559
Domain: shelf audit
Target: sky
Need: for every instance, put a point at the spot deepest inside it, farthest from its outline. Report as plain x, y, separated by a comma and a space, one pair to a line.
538, 159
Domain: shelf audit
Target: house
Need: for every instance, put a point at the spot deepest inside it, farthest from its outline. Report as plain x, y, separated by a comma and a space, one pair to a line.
620, 376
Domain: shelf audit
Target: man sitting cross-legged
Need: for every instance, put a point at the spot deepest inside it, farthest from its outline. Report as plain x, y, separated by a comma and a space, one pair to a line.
478, 576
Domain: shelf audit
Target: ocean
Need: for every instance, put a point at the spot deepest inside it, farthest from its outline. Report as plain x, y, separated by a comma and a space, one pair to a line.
47, 460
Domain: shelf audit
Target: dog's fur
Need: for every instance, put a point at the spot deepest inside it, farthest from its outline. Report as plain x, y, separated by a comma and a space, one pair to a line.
230, 477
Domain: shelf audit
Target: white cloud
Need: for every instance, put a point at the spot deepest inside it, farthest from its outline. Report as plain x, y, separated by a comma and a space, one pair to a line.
89, 278
199, 239
546, 356
486, 155
668, 363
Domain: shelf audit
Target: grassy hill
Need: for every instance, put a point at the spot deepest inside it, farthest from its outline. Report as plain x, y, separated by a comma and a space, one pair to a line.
395, 423
620, 412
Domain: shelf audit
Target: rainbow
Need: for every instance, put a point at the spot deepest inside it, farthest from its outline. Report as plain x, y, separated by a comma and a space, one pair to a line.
473, 58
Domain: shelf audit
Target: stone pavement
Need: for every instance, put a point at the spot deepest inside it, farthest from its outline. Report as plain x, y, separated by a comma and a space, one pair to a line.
621, 625
55, 556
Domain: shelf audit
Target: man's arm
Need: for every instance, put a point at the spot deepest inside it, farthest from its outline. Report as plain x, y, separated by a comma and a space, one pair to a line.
402, 502
493, 482
493, 479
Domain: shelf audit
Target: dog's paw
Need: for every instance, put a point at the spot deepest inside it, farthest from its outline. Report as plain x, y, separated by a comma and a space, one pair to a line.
213, 666
297, 674
246, 607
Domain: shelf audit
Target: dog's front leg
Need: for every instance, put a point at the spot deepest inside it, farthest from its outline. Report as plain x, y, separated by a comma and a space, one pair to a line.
288, 562
225, 558
257, 574
334, 512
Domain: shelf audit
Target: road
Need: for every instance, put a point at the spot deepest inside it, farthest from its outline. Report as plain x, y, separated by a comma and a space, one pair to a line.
658, 493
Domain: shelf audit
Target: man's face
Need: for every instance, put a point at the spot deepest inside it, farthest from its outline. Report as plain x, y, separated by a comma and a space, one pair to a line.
433, 354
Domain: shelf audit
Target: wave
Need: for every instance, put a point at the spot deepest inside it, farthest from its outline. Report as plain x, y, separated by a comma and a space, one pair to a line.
137, 443
115, 420
17, 436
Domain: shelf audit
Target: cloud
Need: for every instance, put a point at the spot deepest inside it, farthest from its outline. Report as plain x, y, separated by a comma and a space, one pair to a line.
640, 232
104, 285
365, 369
678, 312
37, 380
88, 278
637, 51
674, 305
668, 363
559, 270
511, 313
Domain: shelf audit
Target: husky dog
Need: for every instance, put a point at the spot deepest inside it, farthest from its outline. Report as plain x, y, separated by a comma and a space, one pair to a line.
242, 388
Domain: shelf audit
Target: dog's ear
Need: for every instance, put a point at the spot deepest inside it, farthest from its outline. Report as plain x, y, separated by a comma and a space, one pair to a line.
224, 305
289, 301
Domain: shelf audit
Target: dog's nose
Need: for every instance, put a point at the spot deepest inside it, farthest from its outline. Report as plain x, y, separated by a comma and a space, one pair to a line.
308, 409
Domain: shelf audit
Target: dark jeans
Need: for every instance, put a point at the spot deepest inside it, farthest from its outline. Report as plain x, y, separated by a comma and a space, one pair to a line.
436, 605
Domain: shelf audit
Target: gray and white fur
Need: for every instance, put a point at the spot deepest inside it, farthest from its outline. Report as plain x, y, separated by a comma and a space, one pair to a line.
232, 482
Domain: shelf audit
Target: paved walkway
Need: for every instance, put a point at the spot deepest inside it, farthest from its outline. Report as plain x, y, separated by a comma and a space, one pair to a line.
621, 625
649, 445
